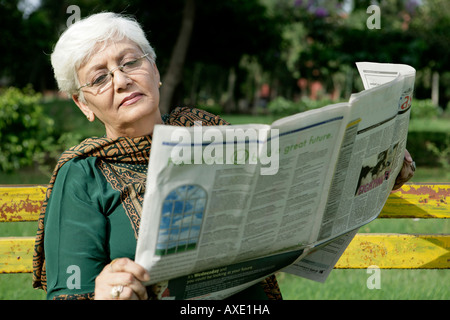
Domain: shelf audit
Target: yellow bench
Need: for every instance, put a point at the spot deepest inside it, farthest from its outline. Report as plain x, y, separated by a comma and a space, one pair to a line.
387, 251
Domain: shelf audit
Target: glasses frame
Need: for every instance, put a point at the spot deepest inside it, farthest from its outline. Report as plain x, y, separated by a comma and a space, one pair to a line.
111, 73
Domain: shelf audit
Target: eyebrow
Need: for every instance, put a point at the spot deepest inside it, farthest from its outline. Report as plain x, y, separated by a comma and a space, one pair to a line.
101, 65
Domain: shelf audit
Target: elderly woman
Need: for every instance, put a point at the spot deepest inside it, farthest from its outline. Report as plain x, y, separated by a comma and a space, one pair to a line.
91, 214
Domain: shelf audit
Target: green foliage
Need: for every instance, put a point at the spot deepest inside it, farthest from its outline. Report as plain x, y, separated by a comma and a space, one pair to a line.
215, 109
24, 128
280, 106
417, 146
425, 109
442, 155
52, 149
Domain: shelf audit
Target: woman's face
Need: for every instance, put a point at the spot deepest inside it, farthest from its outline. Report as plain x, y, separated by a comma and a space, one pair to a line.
129, 107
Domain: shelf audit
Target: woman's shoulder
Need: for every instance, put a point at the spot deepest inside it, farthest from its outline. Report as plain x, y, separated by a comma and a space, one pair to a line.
84, 154
78, 167
187, 116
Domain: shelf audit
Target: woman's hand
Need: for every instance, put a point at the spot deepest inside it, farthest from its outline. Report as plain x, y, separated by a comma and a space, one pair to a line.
121, 280
407, 171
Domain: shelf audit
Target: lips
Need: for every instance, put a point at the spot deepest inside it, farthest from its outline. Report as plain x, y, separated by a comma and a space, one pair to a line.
132, 98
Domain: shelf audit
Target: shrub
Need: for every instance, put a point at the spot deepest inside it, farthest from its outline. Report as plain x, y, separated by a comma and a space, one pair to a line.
24, 128
424, 109
442, 155
282, 107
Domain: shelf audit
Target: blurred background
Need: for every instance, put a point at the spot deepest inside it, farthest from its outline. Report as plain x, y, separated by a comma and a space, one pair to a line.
250, 61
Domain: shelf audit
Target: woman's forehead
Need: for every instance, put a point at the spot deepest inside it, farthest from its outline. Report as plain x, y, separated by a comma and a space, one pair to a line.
102, 52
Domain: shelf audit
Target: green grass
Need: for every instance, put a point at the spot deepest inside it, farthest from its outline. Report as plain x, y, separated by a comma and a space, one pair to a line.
19, 287
352, 285
341, 284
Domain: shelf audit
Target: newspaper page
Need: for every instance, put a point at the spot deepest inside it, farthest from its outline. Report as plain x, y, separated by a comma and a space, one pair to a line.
318, 263
376, 151
227, 206
367, 170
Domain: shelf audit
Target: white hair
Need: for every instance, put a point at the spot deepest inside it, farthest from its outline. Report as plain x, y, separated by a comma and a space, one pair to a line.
77, 44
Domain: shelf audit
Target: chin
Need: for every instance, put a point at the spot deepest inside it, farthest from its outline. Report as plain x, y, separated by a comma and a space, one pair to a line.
139, 116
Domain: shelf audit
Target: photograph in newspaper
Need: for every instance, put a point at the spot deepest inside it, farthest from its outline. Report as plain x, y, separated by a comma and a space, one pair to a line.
376, 169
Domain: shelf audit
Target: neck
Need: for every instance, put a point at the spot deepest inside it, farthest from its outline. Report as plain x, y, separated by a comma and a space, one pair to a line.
143, 128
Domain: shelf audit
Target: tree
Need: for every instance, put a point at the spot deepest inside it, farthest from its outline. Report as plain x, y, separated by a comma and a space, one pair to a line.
12, 41
431, 23
202, 56
174, 73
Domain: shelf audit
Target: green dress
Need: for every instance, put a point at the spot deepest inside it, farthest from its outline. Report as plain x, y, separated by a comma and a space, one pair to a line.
86, 227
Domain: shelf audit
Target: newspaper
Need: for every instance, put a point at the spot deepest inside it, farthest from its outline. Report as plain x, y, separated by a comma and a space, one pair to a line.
226, 206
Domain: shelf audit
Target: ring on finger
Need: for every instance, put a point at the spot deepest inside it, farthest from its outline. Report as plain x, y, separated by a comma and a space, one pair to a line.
116, 291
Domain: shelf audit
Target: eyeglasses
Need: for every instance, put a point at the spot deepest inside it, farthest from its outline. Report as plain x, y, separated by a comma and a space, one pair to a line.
102, 82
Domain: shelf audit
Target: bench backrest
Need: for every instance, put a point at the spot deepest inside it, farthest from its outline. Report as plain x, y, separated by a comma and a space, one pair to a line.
404, 251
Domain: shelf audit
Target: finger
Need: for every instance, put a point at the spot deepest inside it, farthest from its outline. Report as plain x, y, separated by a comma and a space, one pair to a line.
406, 173
126, 294
409, 170
129, 273
129, 287
127, 265
104, 284
408, 157
125, 272
136, 289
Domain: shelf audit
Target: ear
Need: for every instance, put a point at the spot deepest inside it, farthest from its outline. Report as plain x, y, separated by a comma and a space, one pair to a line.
84, 108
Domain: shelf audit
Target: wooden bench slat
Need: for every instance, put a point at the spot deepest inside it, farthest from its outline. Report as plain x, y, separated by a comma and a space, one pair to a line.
16, 254
387, 251
21, 203
419, 201
396, 251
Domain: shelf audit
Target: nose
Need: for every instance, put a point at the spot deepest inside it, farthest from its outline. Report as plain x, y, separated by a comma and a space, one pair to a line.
121, 79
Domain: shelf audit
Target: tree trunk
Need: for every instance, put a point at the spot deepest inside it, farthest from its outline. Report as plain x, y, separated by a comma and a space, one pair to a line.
435, 88
194, 87
229, 103
174, 73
